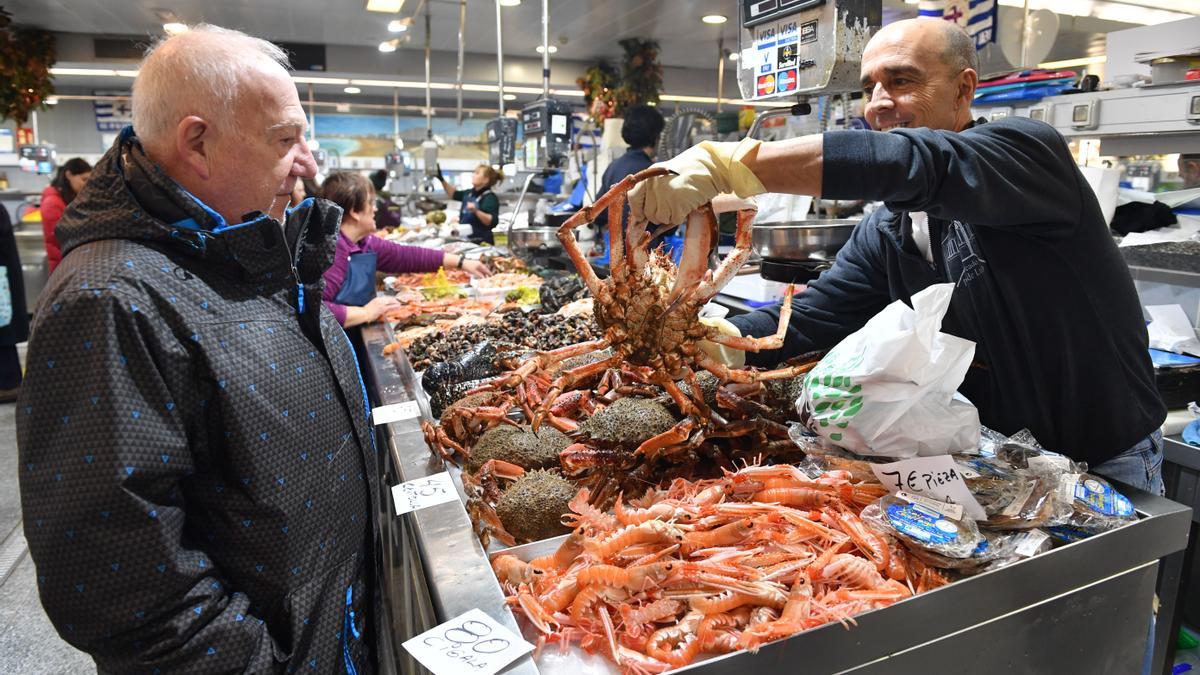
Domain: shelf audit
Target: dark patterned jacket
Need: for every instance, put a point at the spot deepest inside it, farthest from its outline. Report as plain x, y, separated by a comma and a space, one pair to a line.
196, 462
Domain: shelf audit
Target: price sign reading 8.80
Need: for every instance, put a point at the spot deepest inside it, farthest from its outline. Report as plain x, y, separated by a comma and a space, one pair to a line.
423, 492
471, 643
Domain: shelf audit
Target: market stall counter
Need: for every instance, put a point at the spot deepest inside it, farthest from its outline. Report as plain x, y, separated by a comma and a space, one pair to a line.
1081, 607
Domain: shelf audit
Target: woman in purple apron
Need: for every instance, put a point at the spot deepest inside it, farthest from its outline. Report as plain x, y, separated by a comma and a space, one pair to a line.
480, 206
350, 281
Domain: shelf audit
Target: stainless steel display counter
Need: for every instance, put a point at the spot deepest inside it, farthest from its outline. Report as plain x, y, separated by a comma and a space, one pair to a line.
1084, 607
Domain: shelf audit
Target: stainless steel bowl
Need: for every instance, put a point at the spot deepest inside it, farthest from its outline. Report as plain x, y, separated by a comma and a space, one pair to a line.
534, 239
802, 239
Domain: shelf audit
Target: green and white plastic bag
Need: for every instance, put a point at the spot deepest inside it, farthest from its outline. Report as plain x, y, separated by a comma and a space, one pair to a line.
889, 389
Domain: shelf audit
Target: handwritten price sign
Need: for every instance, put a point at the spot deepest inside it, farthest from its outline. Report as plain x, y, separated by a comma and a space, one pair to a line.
471, 643
938, 477
396, 412
423, 492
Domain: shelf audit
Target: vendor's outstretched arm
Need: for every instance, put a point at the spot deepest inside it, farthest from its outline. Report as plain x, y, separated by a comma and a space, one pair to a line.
789, 167
833, 306
1014, 172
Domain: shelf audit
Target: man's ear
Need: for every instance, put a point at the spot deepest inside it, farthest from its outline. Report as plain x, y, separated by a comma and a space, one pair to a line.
193, 143
968, 79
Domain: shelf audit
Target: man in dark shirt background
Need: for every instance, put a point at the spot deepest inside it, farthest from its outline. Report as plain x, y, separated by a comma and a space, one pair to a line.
643, 125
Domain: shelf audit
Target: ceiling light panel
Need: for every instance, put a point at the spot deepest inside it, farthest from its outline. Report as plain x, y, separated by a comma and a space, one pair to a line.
389, 6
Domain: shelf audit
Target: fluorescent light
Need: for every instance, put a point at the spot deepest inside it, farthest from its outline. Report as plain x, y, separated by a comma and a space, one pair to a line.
1070, 63
175, 27
391, 6
397, 26
52, 100
387, 46
509, 3
553, 49
352, 90
714, 18
304, 79
680, 98
510, 97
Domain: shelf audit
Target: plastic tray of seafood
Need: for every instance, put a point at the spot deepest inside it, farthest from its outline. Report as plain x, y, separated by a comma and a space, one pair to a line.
1091, 568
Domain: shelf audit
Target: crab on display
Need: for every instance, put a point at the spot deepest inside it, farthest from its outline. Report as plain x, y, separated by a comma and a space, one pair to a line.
631, 411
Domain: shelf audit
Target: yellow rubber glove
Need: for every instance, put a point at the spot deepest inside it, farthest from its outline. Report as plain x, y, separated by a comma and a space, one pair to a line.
702, 172
734, 358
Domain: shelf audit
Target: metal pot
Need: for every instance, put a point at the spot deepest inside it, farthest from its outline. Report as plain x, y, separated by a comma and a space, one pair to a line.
816, 239
534, 239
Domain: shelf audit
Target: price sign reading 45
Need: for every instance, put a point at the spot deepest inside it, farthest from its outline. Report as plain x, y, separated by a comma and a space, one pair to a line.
471, 643
938, 477
423, 492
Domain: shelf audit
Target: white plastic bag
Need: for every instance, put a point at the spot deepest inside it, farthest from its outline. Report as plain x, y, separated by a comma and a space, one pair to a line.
889, 389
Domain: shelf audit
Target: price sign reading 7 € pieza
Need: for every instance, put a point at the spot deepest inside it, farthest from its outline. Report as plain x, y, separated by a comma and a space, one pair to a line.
471, 643
938, 477
423, 492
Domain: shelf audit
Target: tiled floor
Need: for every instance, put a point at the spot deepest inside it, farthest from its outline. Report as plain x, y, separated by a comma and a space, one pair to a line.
28, 642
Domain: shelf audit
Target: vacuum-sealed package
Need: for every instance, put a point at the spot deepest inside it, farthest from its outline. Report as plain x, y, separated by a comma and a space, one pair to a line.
1024, 503
991, 546
1096, 507
923, 528
1016, 546
1022, 451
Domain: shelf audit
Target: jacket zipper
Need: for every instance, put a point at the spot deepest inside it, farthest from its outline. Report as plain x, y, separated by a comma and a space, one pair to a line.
299, 290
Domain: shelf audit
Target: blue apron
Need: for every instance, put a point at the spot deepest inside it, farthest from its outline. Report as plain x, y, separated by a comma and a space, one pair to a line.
479, 231
359, 286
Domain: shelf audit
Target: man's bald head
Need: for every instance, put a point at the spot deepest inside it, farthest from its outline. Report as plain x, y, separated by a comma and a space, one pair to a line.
947, 40
203, 72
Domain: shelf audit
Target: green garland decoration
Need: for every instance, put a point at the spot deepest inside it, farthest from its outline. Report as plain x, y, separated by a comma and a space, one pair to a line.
26, 55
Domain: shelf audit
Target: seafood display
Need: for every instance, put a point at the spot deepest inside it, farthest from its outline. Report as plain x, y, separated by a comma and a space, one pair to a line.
711, 567
516, 329
422, 279
694, 520
507, 280
640, 402
427, 312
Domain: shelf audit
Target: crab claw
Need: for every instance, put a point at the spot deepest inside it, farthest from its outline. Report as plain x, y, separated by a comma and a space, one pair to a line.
673, 436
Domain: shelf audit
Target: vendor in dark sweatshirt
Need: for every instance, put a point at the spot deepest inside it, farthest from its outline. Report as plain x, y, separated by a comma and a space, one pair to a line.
999, 209
642, 126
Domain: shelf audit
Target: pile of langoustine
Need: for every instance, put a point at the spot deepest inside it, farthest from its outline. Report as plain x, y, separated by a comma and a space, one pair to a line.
711, 567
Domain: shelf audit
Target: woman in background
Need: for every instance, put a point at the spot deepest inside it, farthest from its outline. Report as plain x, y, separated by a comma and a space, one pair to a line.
67, 183
350, 281
12, 308
480, 206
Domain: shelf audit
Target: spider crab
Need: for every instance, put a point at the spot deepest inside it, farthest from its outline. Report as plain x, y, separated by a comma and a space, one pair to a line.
649, 308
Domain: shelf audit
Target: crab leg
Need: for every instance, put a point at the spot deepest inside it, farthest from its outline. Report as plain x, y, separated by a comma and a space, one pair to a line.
753, 344
673, 436
733, 262
568, 379
544, 360
701, 230
728, 374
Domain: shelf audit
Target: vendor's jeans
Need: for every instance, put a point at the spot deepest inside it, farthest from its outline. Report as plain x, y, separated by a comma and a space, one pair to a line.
1139, 466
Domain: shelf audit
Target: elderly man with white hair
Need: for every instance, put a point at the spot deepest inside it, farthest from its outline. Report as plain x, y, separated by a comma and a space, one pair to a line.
196, 460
